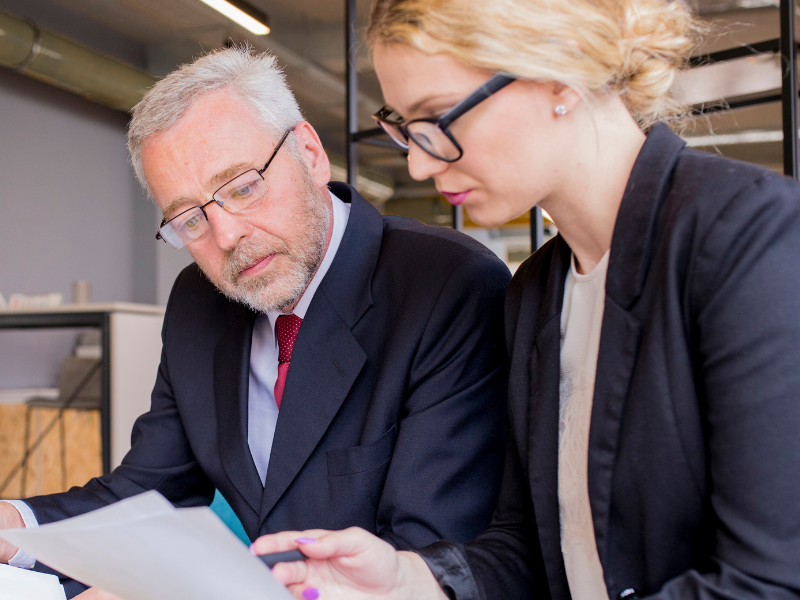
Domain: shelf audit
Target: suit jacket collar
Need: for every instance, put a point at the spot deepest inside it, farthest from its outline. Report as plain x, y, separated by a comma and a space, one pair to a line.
634, 231
631, 250
326, 361
542, 434
231, 385
348, 284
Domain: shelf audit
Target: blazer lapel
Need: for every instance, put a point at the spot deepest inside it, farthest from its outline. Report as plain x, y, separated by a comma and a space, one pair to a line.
326, 359
631, 252
543, 421
325, 363
231, 384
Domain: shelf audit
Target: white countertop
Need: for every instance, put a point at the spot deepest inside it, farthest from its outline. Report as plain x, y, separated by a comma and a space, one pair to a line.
126, 307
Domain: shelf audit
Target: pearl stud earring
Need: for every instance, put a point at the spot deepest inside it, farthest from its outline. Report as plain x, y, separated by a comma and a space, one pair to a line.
560, 110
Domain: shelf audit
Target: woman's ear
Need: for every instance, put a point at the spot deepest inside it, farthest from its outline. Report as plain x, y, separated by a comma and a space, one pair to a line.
564, 96
310, 147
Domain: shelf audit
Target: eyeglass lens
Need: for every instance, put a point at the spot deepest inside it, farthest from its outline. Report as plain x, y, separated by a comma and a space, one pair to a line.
426, 134
236, 195
433, 140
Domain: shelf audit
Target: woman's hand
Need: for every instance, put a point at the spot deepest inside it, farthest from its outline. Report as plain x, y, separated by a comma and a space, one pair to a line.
349, 565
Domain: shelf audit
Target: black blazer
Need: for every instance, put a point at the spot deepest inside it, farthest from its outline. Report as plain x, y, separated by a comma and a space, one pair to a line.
694, 449
392, 415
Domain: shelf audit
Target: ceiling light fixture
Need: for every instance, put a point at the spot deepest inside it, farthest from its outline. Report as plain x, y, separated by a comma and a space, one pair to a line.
242, 13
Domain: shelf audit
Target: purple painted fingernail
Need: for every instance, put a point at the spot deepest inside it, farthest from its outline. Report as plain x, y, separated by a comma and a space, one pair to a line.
306, 541
311, 593
253, 549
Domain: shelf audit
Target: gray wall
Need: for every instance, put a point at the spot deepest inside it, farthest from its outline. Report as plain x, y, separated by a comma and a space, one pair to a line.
70, 207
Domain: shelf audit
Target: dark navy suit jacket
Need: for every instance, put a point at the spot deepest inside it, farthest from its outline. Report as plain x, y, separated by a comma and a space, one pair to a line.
392, 415
694, 449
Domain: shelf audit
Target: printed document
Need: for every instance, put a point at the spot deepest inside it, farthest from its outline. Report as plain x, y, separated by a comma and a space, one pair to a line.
142, 548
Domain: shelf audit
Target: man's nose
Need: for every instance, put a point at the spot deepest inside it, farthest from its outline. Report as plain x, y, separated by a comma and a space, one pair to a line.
422, 165
227, 228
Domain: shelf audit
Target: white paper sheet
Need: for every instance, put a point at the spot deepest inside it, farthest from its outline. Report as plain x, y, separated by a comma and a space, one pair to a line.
21, 584
144, 549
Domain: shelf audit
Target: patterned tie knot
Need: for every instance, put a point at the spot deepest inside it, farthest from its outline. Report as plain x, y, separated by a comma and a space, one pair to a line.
286, 328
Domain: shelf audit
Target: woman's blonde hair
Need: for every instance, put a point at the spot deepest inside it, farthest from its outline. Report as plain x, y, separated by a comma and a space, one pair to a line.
633, 47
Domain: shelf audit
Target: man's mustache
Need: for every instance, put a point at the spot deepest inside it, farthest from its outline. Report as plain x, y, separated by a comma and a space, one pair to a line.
247, 254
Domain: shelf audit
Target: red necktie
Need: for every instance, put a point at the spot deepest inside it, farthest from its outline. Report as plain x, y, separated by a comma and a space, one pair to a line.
286, 328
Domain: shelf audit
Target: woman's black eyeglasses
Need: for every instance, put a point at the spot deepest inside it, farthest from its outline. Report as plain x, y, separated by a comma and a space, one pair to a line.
432, 134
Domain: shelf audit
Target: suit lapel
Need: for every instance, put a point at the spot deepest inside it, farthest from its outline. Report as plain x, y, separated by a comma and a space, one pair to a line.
631, 252
327, 359
231, 384
543, 421
325, 363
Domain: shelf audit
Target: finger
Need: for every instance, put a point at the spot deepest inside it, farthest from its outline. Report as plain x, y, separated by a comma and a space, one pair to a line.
339, 544
292, 573
301, 592
285, 540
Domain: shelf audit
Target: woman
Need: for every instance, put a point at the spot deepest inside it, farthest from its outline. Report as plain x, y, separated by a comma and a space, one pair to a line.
654, 440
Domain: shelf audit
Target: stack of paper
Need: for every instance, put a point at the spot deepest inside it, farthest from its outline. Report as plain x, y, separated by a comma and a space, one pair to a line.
144, 549
20, 584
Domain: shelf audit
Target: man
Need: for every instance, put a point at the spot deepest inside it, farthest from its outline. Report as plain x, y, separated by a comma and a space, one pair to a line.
390, 416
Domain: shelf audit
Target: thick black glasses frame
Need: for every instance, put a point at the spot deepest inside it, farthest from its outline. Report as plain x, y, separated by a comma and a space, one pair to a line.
494, 84
220, 203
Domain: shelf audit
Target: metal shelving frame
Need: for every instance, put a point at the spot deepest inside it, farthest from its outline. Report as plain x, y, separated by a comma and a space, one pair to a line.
89, 318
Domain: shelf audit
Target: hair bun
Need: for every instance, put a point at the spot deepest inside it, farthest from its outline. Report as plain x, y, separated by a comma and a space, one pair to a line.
655, 42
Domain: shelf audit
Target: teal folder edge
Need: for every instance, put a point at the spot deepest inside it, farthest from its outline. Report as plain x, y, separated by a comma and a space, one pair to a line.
223, 510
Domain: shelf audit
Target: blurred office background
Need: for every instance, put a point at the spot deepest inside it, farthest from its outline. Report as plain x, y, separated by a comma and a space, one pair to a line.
70, 208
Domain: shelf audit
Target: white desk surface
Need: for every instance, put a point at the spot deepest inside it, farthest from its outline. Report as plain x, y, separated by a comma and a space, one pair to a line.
122, 307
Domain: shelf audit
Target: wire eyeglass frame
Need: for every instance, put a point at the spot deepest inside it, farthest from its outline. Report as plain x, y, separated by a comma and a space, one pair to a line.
169, 234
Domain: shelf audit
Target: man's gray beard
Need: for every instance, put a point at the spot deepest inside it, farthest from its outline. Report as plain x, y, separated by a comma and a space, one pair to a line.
273, 291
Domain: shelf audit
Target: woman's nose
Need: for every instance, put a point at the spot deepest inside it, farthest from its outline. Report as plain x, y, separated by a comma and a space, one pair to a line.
422, 165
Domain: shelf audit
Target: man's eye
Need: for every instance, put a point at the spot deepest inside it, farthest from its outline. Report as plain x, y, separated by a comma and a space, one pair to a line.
245, 191
191, 223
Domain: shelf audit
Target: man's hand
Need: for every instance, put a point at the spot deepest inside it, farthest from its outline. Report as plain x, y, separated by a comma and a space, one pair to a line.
9, 519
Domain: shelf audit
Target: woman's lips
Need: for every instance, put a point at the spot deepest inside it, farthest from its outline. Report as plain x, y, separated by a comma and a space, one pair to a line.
456, 198
257, 267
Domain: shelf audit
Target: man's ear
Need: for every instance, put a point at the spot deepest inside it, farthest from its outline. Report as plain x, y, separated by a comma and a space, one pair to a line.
313, 153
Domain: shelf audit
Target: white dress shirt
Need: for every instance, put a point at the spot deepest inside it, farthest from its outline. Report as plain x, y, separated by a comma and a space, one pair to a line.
262, 411
581, 323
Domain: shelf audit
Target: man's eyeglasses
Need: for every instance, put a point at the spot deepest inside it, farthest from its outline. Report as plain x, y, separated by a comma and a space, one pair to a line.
432, 134
241, 192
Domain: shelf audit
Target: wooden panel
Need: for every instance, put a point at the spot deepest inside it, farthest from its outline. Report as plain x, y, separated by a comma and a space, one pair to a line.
46, 472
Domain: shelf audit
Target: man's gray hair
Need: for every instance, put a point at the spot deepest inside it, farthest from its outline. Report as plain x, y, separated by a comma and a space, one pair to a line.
253, 77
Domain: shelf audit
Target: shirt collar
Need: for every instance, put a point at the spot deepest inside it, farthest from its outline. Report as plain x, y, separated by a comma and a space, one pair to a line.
340, 214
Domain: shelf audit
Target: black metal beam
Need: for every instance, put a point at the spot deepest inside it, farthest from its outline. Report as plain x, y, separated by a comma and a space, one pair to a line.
789, 89
352, 91
389, 144
369, 133
734, 53
537, 229
721, 105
